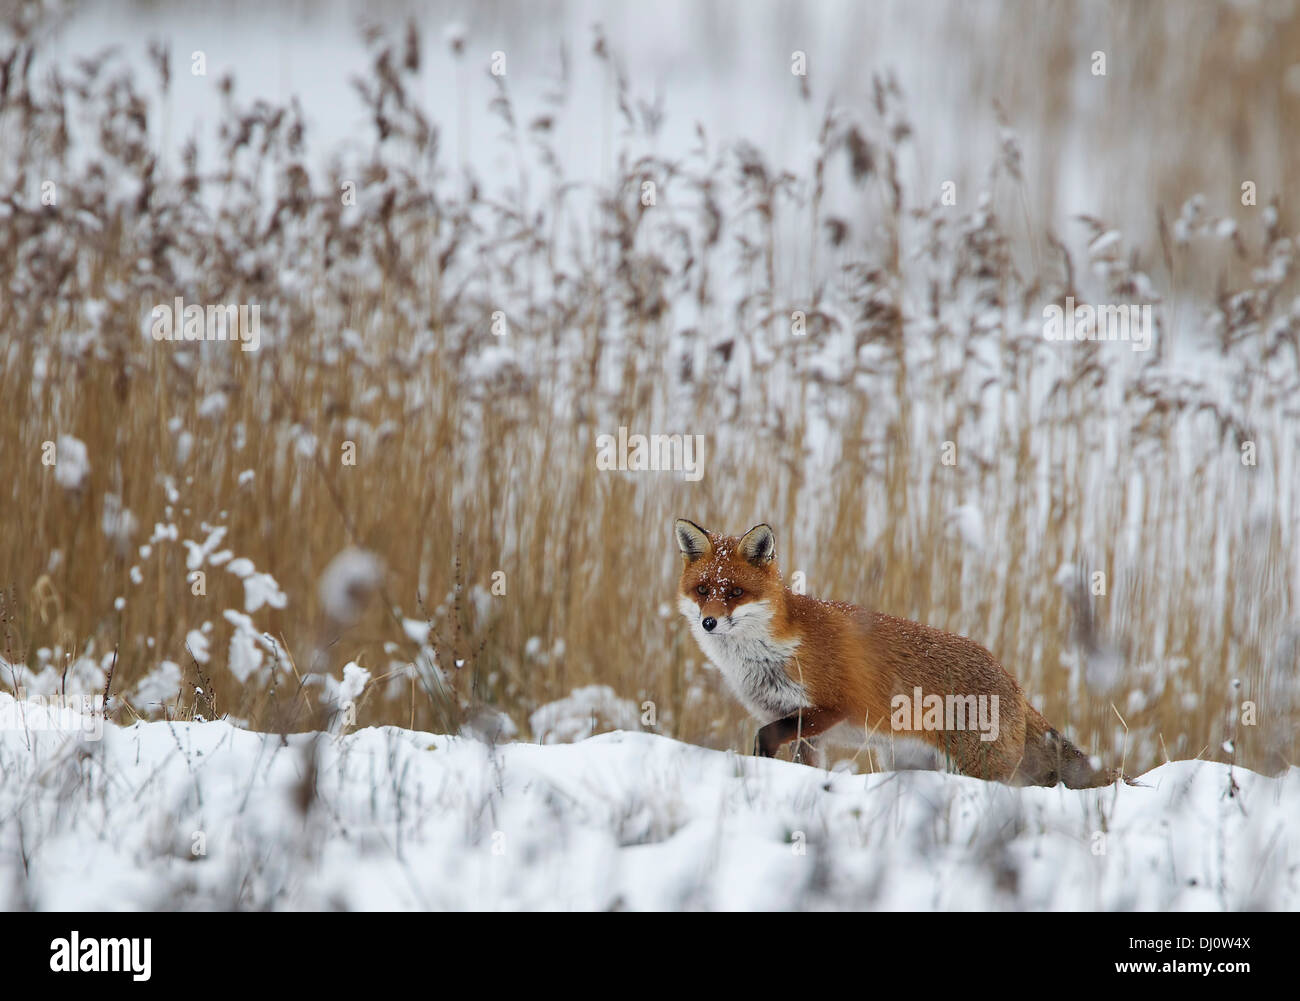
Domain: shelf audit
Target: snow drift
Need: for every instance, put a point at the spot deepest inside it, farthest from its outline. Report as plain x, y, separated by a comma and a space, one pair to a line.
205, 815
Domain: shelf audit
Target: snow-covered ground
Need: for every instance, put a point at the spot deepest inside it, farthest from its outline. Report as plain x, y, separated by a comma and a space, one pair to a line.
205, 815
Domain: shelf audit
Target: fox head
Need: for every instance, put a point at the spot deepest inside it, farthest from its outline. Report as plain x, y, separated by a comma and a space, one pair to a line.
729, 586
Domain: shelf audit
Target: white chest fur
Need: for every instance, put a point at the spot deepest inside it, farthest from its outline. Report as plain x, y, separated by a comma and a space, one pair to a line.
751, 660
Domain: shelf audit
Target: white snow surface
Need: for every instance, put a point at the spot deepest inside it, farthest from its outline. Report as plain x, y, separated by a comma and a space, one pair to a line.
206, 815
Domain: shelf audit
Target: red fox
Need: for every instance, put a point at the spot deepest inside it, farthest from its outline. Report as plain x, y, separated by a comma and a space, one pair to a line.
802, 665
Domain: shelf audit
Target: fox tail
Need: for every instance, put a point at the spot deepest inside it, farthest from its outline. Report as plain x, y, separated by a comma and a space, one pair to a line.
1049, 758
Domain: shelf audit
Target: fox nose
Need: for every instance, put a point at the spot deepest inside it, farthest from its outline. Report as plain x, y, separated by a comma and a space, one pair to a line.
708, 623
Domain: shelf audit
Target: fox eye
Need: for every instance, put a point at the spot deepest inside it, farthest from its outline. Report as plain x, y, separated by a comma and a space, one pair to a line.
736, 592
702, 589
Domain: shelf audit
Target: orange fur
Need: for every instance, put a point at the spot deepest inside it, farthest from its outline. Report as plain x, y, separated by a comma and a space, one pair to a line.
852, 664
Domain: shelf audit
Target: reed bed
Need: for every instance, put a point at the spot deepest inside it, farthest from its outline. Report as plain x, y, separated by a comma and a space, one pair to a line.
403, 476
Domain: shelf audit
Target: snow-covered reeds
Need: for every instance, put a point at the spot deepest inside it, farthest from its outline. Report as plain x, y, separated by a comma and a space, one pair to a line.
437, 357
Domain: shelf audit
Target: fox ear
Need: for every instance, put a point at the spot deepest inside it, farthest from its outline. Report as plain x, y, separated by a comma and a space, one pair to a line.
758, 545
692, 540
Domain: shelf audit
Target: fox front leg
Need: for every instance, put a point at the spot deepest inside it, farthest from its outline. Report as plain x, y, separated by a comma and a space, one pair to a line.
806, 753
802, 723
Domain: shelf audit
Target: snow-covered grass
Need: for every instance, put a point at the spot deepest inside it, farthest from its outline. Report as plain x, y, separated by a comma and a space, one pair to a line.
403, 478
205, 815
